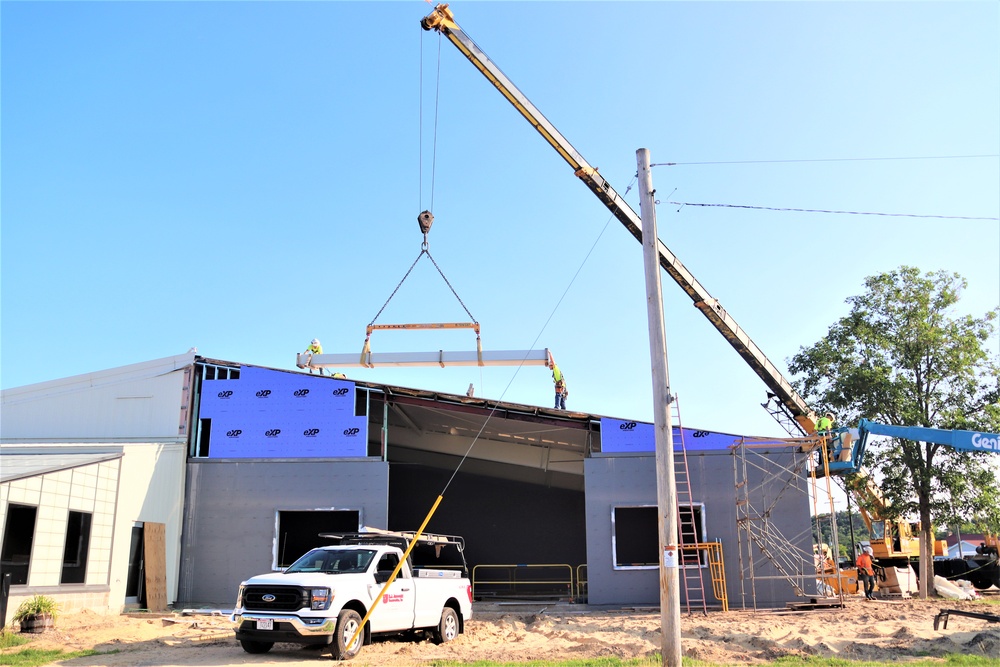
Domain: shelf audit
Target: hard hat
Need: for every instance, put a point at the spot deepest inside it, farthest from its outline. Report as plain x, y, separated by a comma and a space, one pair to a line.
315, 341
828, 414
868, 550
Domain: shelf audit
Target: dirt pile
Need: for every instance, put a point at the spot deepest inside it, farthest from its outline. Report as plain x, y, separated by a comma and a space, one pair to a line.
884, 630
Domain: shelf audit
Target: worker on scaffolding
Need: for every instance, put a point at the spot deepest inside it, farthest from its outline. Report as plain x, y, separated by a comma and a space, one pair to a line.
561, 391
825, 567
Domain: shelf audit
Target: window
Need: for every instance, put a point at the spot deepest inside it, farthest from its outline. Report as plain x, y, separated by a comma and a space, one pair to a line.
388, 562
298, 532
15, 557
74, 566
635, 537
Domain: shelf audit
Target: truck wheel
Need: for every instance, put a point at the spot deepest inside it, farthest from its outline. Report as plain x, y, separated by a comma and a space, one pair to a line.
447, 629
255, 647
348, 623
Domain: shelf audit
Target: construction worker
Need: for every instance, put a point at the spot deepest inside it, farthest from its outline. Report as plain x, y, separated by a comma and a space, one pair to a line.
823, 427
825, 423
823, 556
314, 348
561, 392
866, 572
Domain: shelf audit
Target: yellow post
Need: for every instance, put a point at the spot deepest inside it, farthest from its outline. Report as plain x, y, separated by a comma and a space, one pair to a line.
395, 572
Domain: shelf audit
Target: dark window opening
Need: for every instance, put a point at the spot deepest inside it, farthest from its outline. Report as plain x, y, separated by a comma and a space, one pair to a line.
635, 536
18, 534
74, 565
204, 436
298, 532
360, 402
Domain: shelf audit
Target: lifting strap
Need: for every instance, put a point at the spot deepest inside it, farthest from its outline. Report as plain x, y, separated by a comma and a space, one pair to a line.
424, 219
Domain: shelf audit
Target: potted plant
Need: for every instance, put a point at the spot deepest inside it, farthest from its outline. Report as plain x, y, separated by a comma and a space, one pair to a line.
36, 614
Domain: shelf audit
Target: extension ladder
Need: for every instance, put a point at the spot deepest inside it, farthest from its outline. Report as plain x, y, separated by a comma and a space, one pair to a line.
689, 559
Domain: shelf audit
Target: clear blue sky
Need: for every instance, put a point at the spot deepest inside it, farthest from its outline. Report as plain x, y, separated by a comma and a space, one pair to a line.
242, 177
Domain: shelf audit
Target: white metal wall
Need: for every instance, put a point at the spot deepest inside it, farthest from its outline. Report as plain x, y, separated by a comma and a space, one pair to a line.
140, 401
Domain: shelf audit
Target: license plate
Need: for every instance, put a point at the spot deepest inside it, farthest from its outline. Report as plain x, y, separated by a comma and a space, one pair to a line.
265, 624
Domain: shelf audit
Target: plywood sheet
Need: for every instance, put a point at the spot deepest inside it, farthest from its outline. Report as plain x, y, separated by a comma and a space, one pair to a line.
155, 557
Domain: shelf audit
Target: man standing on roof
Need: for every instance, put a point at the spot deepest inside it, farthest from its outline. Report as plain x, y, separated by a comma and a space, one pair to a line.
314, 348
561, 392
866, 572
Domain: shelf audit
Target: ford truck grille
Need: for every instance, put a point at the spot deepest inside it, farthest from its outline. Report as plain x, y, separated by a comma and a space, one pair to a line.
274, 598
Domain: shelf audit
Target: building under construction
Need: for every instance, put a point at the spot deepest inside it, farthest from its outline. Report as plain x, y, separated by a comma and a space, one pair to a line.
168, 482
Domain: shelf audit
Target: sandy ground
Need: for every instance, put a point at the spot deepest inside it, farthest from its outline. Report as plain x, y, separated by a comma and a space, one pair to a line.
883, 630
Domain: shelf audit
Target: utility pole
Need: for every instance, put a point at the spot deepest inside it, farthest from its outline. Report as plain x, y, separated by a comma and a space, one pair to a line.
666, 488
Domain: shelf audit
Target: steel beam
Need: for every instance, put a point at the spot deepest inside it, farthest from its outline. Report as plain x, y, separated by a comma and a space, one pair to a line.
438, 358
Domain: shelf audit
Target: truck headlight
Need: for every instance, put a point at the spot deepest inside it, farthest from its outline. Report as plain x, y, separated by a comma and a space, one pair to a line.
239, 597
320, 598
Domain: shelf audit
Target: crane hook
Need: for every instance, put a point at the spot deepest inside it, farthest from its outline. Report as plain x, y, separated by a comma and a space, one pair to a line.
425, 220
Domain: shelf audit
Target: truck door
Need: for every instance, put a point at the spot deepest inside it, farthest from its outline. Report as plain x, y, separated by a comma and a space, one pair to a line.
395, 609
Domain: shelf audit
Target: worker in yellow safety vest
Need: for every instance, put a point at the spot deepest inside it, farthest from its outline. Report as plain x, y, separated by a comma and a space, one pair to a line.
825, 423
561, 392
823, 427
314, 348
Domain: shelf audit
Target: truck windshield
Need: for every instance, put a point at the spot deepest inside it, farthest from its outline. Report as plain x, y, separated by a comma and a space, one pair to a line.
333, 561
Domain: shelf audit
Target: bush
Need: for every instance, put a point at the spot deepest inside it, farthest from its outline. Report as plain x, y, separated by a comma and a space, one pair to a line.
36, 606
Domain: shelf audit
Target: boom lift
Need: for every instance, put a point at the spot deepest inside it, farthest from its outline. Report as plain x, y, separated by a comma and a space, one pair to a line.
790, 409
895, 543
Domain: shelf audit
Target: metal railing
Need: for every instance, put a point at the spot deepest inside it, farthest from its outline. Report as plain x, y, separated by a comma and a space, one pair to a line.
523, 581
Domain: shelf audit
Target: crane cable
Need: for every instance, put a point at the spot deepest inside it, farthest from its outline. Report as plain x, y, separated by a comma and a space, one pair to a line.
426, 218
423, 250
420, 128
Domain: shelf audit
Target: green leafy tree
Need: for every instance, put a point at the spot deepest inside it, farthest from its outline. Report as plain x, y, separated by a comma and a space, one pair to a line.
904, 356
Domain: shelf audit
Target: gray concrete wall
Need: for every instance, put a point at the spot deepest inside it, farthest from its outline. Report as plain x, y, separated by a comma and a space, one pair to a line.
631, 480
230, 514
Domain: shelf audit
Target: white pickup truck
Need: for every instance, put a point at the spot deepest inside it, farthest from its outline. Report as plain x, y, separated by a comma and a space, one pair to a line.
323, 597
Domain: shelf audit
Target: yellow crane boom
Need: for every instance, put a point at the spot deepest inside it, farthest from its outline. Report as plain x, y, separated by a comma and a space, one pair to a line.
792, 405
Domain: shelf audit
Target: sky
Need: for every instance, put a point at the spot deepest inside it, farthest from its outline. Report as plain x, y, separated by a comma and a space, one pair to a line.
241, 177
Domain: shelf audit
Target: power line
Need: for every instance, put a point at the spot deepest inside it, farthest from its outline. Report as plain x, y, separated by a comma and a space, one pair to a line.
817, 210
842, 159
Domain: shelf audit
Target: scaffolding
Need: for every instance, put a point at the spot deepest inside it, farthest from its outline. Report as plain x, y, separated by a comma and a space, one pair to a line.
766, 473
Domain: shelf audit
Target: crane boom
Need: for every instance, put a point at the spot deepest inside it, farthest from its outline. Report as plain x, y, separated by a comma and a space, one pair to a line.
442, 20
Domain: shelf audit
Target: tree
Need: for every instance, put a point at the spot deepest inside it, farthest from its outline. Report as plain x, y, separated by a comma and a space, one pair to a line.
904, 356
847, 523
